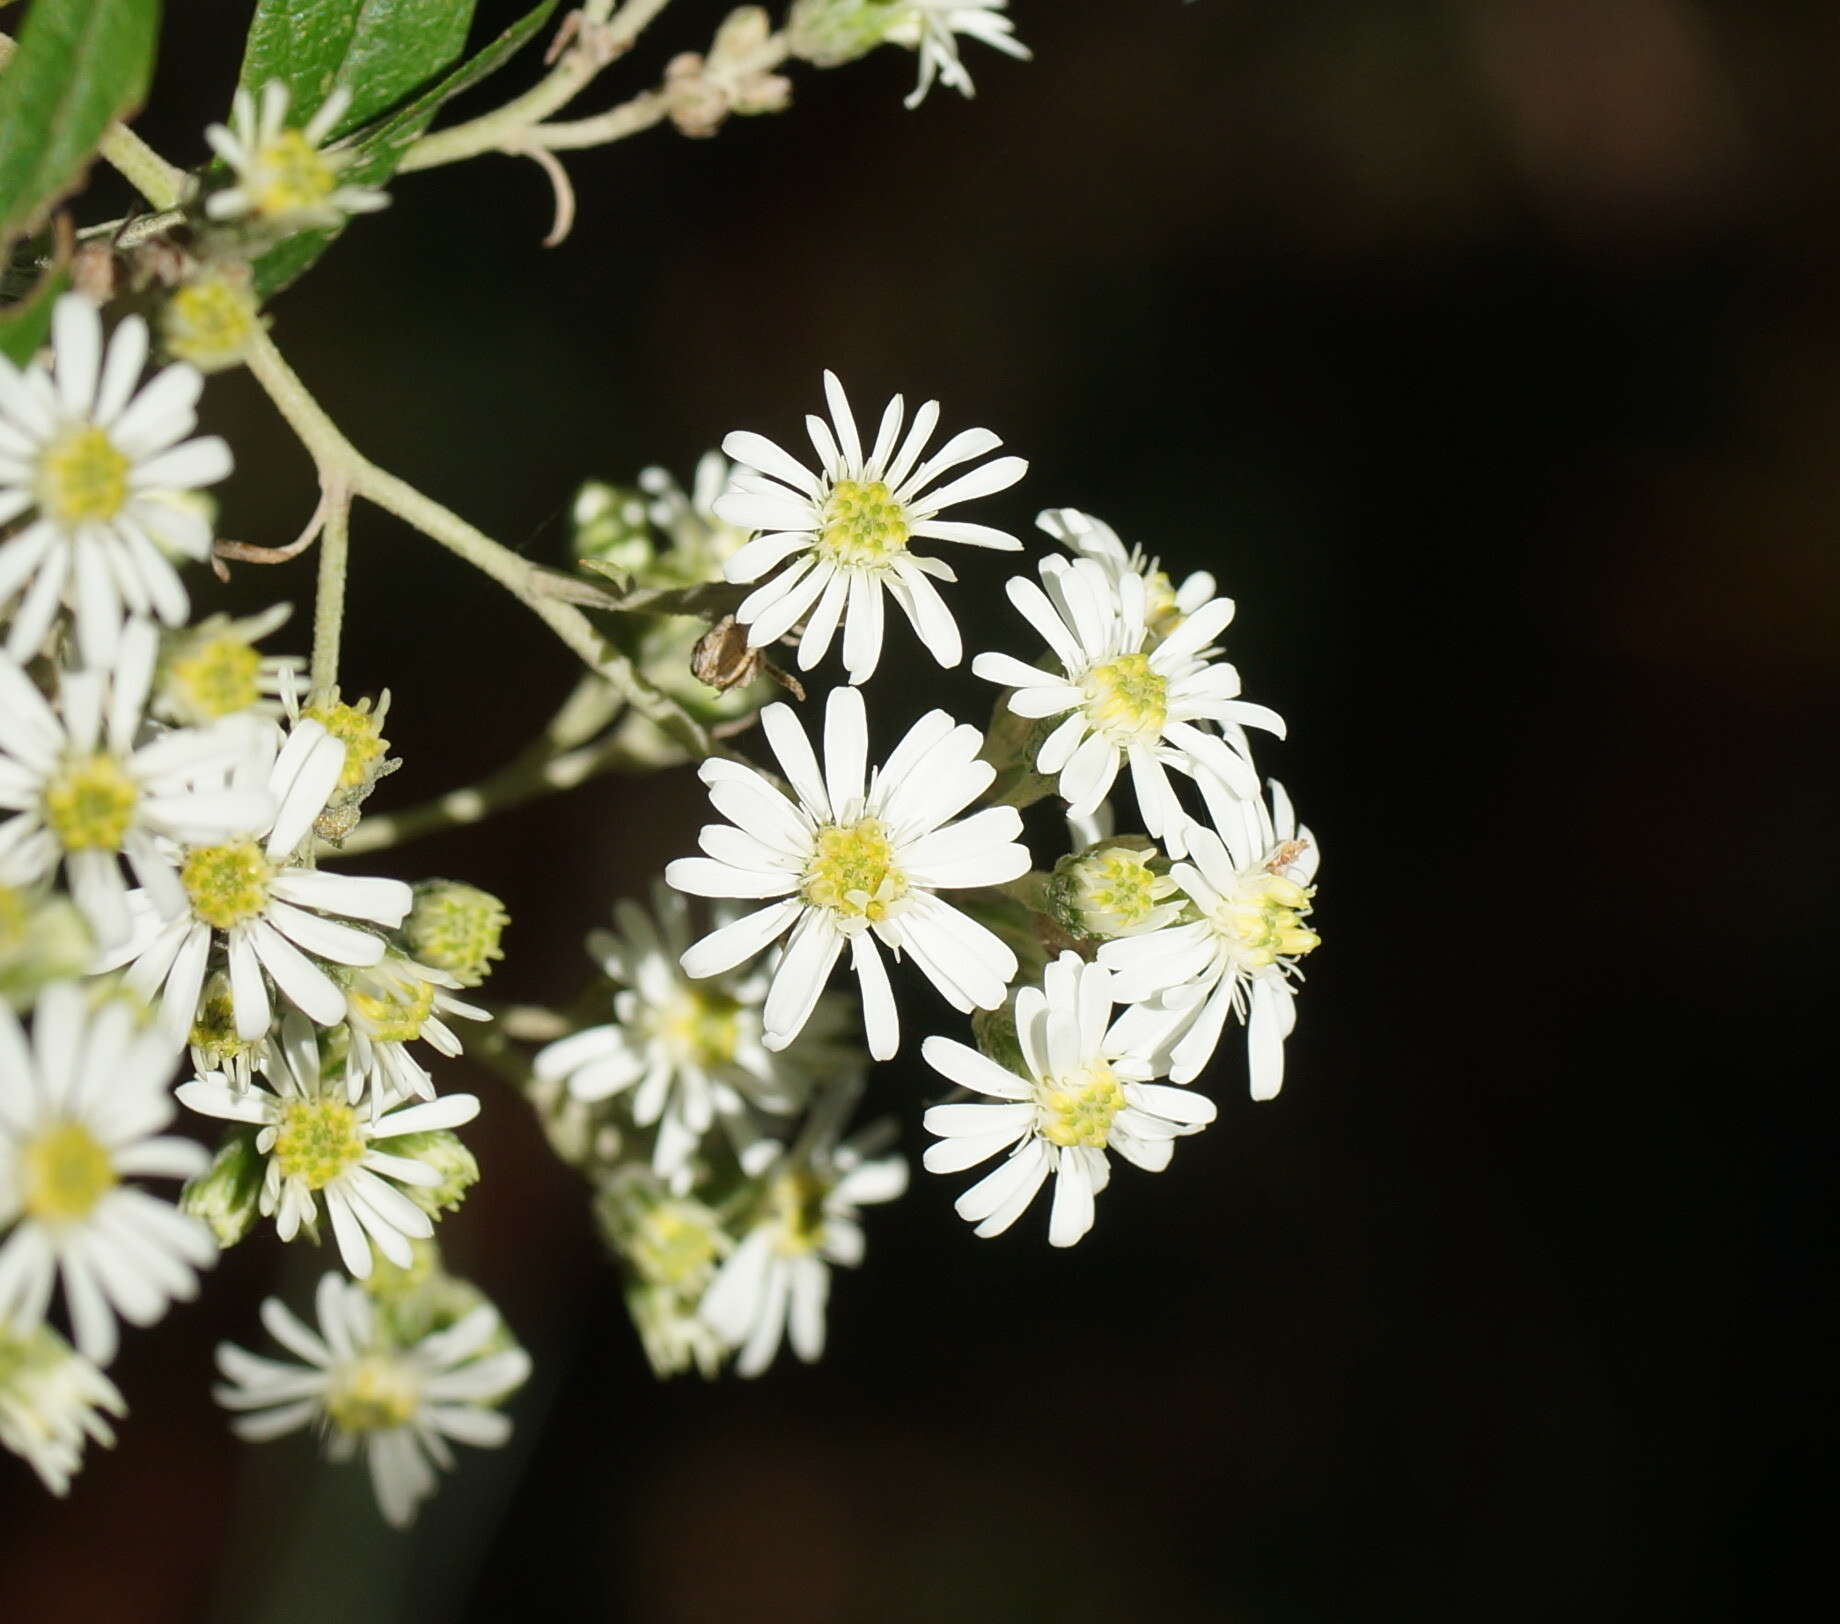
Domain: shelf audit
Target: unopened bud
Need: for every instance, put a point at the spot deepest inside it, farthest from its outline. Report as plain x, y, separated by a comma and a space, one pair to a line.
211, 320
456, 928
225, 1195
1113, 888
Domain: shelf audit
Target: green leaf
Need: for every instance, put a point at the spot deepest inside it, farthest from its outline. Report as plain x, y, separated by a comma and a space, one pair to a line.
80, 65
381, 50
377, 151
24, 325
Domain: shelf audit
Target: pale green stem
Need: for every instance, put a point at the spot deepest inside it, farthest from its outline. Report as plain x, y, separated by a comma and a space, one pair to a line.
329, 601
601, 40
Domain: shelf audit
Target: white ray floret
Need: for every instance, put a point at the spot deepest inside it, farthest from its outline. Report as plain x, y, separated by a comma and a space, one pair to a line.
283, 177
931, 28
103, 469
843, 532
690, 1052
1252, 891
856, 859
1166, 605
83, 794
316, 1142
388, 1006
400, 1401
51, 1404
1088, 1091
1126, 700
81, 1111
253, 895
775, 1284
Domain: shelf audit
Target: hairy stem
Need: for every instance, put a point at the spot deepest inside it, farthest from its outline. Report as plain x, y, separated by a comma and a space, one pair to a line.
329, 599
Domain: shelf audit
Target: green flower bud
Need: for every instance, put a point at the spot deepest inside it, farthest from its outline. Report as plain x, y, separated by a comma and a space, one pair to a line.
211, 320
456, 928
829, 33
444, 1153
225, 1194
42, 939
611, 526
995, 1032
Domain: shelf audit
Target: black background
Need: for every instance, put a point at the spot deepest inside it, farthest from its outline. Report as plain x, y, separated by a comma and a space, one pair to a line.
1489, 354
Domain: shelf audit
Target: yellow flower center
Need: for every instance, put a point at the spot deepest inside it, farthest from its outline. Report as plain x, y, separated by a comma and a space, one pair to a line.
1078, 1110
1125, 699
82, 477
393, 1009
377, 1393
216, 678
701, 1028
1108, 892
795, 1207
318, 1140
64, 1172
227, 884
361, 732
89, 803
209, 322
676, 1245
852, 872
1263, 921
862, 523
290, 175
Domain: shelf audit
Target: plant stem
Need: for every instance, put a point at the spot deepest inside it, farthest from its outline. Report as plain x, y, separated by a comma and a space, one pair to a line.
329, 600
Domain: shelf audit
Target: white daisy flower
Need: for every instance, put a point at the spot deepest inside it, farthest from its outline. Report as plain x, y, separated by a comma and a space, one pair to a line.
846, 529
1123, 704
213, 669
1252, 891
388, 1006
102, 468
80, 1111
1088, 1090
283, 178
267, 909
84, 796
671, 1247
854, 863
690, 1052
400, 1400
932, 27
51, 1404
316, 1140
777, 1280
1166, 605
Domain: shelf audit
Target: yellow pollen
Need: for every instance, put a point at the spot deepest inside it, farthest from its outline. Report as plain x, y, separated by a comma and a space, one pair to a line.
795, 1205
290, 175
227, 884
64, 1172
217, 678
852, 872
89, 803
702, 1028
394, 1009
376, 1393
675, 1245
82, 477
318, 1140
1125, 699
862, 523
1264, 921
1078, 1110
360, 730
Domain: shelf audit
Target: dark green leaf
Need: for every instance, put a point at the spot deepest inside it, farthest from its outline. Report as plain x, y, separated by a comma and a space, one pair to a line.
378, 150
381, 50
80, 65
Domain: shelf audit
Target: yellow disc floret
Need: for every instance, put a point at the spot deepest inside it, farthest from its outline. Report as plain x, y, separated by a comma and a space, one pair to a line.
89, 803
210, 321
676, 1244
216, 677
360, 730
227, 884
290, 175
862, 523
317, 1140
377, 1393
1126, 699
701, 1028
392, 1004
1078, 1110
795, 1207
852, 872
63, 1172
1263, 921
82, 478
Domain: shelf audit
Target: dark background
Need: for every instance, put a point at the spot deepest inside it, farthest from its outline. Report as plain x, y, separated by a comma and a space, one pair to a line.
1488, 351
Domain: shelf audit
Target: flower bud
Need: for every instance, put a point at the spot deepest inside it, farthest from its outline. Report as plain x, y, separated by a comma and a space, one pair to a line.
828, 33
611, 526
1113, 888
456, 928
41, 939
211, 320
441, 1152
225, 1195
